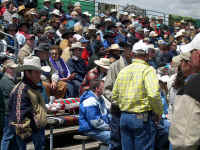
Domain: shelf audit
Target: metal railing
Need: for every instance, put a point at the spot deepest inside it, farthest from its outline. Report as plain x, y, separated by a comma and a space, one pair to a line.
15, 47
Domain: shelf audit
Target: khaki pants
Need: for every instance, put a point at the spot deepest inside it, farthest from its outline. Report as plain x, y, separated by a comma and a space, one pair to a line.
59, 92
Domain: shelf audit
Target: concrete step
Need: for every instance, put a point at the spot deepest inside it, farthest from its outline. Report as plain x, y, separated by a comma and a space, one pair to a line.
88, 146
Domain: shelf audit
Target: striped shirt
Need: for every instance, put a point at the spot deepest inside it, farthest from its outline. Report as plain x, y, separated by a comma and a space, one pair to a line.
136, 89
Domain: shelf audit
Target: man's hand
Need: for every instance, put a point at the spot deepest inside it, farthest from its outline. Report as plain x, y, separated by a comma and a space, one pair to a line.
54, 85
72, 76
156, 118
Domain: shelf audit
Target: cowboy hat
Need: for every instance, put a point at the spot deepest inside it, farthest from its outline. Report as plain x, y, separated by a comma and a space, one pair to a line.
10, 64
92, 27
21, 7
103, 62
76, 45
87, 13
56, 12
77, 4
49, 29
57, 1
45, 1
42, 47
31, 63
115, 47
67, 33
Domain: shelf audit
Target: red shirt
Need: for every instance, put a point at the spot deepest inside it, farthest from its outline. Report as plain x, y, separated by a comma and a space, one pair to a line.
2, 10
85, 55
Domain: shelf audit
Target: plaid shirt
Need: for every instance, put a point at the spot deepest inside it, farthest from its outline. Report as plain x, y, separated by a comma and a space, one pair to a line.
91, 75
137, 89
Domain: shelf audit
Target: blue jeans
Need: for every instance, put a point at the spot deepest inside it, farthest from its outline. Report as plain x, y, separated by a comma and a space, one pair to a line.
103, 136
73, 88
8, 141
136, 134
162, 131
37, 138
115, 132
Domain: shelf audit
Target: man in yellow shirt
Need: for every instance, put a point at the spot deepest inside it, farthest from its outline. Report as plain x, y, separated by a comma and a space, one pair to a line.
136, 91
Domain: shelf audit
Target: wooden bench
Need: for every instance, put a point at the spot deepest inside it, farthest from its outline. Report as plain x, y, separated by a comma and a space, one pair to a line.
83, 138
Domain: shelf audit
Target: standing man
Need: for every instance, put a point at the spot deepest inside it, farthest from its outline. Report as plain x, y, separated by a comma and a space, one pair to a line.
136, 91
27, 112
7, 83
115, 68
185, 124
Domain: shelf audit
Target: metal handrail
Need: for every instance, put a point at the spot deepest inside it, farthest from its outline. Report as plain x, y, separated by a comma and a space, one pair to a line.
16, 45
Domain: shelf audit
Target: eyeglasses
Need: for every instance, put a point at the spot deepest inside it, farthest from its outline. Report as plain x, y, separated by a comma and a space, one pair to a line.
54, 53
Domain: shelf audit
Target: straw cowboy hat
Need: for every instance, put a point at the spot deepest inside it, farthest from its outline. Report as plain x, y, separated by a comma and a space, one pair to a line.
31, 63
115, 47
10, 64
103, 62
20, 8
183, 56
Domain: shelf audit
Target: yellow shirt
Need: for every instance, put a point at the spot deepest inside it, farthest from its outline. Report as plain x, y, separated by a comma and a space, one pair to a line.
136, 89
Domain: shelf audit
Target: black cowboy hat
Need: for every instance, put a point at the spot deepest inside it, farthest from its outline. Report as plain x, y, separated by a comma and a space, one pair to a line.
67, 33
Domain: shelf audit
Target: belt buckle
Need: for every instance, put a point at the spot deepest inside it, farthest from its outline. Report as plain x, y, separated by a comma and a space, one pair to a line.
143, 116
139, 116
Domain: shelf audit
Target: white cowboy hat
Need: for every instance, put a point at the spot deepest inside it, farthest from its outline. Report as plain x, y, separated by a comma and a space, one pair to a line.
180, 33
76, 45
56, 12
77, 4
132, 15
108, 20
103, 62
57, 1
46, 1
92, 27
87, 13
32, 63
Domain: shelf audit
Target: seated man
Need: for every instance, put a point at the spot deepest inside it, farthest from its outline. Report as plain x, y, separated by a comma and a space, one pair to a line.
77, 67
94, 118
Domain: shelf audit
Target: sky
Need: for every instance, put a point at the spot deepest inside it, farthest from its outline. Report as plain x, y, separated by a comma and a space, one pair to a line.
179, 7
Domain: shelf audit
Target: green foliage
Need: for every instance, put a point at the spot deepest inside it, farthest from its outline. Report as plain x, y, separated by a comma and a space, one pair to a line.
175, 18
86, 5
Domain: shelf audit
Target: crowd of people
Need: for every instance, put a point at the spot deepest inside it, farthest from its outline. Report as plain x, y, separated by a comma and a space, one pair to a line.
137, 78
